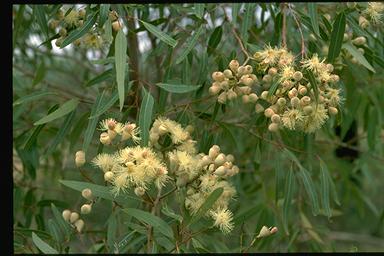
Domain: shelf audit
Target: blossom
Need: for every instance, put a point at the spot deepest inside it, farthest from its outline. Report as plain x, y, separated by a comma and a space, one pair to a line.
104, 161
291, 117
223, 219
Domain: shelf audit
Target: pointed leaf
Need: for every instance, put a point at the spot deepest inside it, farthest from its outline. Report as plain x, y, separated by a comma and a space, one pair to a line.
358, 56
214, 39
32, 97
310, 189
324, 185
160, 34
312, 11
66, 108
289, 185
104, 107
337, 36
92, 123
39, 13
43, 246
177, 88
199, 10
191, 43
120, 62
104, 11
62, 132
145, 116
99, 78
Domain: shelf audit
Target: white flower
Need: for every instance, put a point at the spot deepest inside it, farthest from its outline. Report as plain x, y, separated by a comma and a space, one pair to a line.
223, 219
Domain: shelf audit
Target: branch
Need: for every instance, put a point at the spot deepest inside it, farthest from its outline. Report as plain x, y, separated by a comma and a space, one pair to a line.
301, 32
150, 229
284, 30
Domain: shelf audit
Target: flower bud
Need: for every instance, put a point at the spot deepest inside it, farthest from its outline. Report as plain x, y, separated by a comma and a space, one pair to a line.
248, 81
259, 108
218, 76
73, 217
59, 41
264, 232
220, 171
272, 71
113, 15
295, 102
307, 110
330, 67
162, 130
214, 151
80, 158
304, 101
234, 65
351, 5
269, 112
62, 32
230, 158
153, 136
108, 176
213, 90
228, 73
53, 24
297, 75
181, 181
79, 224
222, 98
66, 215
334, 78
235, 169
361, 50
189, 128
104, 138
211, 167
275, 118
82, 13
363, 22
302, 89
248, 69
231, 95
60, 14
116, 25
245, 98
267, 79
205, 160
273, 127
312, 37
359, 40
241, 71
220, 159
111, 134
139, 191
86, 209
281, 102
253, 97
87, 193
333, 110
264, 95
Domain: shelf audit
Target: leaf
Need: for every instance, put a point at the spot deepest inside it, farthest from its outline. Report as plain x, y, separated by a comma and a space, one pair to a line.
211, 199
313, 82
111, 231
97, 190
247, 19
310, 189
199, 10
191, 43
312, 11
214, 39
99, 78
66, 108
150, 219
39, 13
32, 97
170, 213
308, 227
324, 185
62, 132
79, 32
40, 73
177, 88
145, 116
92, 123
160, 34
358, 56
64, 226
337, 36
54, 231
371, 129
104, 107
288, 197
120, 62
235, 11
273, 88
43, 246
104, 11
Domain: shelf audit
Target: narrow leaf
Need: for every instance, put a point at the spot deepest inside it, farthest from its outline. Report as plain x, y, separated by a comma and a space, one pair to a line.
247, 19
199, 10
160, 34
177, 88
66, 108
104, 11
62, 132
337, 36
288, 198
310, 189
79, 32
92, 123
43, 246
313, 82
358, 56
40, 73
32, 97
145, 116
99, 78
120, 62
104, 107
191, 43
312, 11
64, 226
150, 219
324, 185
214, 39
39, 13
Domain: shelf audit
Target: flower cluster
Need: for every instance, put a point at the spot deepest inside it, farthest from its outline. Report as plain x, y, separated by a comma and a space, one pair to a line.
74, 219
374, 13
233, 82
170, 156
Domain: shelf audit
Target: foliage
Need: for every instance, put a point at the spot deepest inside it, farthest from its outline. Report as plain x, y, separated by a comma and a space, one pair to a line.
76, 65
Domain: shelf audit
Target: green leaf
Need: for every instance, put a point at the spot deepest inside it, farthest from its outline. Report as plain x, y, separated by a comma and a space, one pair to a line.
289, 185
170, 213
313, 82
191, 43
62, 132
177, 88
150, 219
39, 13
247, 19
79, 32
97, 190
32, 97
324, 185
235, 11
66, 108
214, 39
145, 116
99, 78
371, 129
211, 199
54, 231
120, 62
104, 107
43, 246
40, 73
274, 86
199, 10
337, 36
358, 56
160, 34
111, 231
92, 123
310, 189
312, 11
64, 226
104, 12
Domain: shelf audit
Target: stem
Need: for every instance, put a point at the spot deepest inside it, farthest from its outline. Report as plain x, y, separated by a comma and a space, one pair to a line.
284, 30
301, 32
150, 228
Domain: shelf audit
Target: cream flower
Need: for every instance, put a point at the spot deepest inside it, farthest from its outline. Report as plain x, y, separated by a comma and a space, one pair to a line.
223, 219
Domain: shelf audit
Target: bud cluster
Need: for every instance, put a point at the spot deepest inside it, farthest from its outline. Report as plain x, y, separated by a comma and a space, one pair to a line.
74, 219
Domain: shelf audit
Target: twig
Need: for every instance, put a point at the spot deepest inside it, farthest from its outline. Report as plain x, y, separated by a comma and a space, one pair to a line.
168, 193
249, 246
150, 228
284, 29
301, 32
